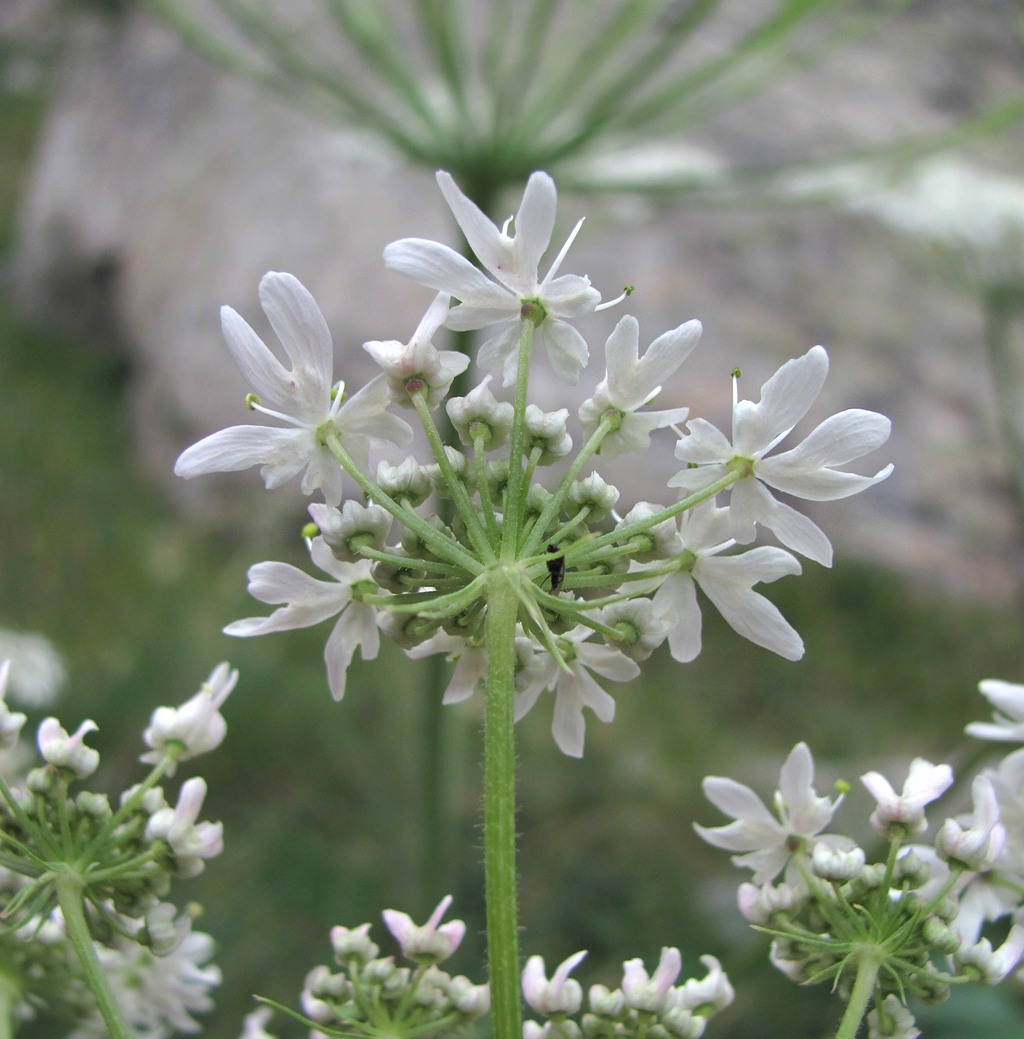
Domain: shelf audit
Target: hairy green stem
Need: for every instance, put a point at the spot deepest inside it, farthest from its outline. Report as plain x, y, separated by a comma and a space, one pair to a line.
868, 963
500, 806
69, 894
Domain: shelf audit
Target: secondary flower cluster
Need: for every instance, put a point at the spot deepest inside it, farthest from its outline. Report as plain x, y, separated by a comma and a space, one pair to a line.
598, 587
644, 1005
371, 995
917, 916
70, 857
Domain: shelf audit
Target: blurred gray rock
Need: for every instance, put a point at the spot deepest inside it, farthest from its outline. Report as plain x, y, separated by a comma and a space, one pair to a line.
164, 188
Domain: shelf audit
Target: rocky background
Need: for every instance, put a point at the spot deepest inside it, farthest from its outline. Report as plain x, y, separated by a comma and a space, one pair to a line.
164, 188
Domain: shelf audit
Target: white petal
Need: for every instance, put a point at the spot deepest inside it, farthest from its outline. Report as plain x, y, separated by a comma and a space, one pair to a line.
704, 444
240, 447
299, 324
260, 369
676, 600
567, 350
785, 399
441, 268
533, 225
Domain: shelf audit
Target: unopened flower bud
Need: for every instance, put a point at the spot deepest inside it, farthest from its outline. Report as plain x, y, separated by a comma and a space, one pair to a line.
940, 936
978, 840
352, 527
405, 482
547, 432
353, 943
69, 752
593, 494
10, 721
659, 542
836, 864
650, 992
469, 999
642, 632
605, 1002
480, 416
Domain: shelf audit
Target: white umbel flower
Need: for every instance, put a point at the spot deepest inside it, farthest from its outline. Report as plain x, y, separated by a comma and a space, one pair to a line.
631, 382
1008, 718
805, 471
905, 811
513, 261
308, 601
768, 840
304, 398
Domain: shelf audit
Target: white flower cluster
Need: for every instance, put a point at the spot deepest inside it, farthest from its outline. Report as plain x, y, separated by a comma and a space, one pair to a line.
644, 1005
922, 910
371, 995
598, 590
123, 860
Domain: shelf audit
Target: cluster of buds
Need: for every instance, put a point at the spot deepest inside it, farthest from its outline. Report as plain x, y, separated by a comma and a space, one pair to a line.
73, 855
597, 589
372, 995
645, 1005
914, 919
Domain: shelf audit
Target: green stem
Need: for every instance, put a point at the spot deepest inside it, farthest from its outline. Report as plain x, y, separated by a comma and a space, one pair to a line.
515, 505
10, 996
69, 895
868, 963
500, 807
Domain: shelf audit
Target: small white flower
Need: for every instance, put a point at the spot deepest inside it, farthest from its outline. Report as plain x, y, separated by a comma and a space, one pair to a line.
574, 688
977, 840
560, 995
925, 782
305, 399
837, 864
354, 525
513, 262
759, 903
630, 382
643, 631
430, 943
70, 752
191, 842
647, 992
1008, 701
308, 601
709, 994
768, 840
728, 581
197, 725
353, 941
159, 994
805, 471
992, 966
418, 366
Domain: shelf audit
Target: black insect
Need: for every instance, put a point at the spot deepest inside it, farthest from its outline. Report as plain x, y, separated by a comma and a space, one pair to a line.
556, 568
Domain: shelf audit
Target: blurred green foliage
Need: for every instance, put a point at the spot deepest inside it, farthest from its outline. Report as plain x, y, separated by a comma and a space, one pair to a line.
320, 800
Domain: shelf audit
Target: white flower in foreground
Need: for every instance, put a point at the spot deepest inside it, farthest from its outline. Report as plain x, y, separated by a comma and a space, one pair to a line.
197, 726
190, 841
728, 581
1008, 701
308, 601
905, 811
305, 399
574, 688
560, 995
650, 992
430, 943
64, 751
805, 471
974, 841
418, 366
768, 840
158, 994
630, 382
513, 262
